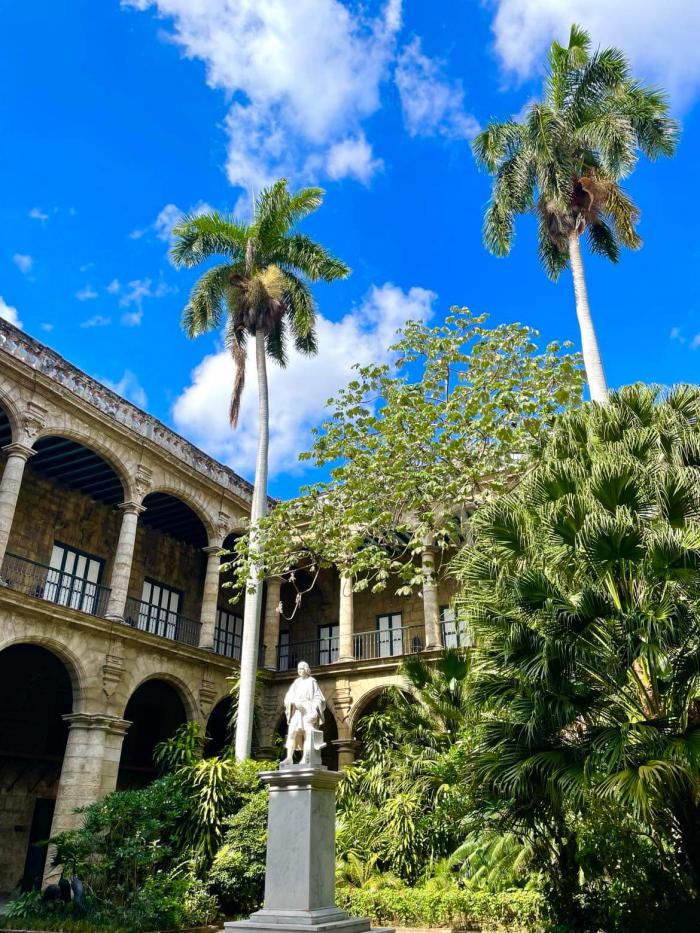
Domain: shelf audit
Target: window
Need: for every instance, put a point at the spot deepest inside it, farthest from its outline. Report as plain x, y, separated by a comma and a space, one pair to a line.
228, 634
328, 636
73, 578
390, 635
455, 632
283, 652
159, 609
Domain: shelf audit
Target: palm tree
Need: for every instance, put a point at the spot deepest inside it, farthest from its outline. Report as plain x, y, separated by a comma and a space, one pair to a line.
260, 291
582, 587
566, 158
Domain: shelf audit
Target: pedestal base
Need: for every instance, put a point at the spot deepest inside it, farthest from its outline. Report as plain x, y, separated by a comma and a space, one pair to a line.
329, 920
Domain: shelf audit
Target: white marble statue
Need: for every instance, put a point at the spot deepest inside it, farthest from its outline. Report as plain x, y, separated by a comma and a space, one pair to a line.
304, 705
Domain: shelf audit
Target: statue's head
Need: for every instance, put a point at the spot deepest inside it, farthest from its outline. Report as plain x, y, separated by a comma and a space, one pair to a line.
303, 669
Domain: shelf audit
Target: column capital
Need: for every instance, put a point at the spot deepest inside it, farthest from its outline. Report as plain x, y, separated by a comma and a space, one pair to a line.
131, 507
212, 548
19, 450
347, 745
97, 721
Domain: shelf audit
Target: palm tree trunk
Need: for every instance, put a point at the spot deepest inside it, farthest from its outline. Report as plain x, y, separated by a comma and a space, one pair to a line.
589, 342
253, 597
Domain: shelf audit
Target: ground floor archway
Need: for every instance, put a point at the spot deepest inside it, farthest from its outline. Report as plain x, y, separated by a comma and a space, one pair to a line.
155, 711
36, 692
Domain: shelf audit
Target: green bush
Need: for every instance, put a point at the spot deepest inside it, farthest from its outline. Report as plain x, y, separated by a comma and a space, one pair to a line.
237, 874
432, 905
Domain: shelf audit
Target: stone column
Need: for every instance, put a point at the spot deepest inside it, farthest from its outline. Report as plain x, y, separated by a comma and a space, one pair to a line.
345, 621
431, 603
210, 597
121, 570
17, 456
89, 771
271, 630
347, 750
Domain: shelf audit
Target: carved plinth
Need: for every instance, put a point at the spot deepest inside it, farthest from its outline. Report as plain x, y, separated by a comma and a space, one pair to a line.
300, 869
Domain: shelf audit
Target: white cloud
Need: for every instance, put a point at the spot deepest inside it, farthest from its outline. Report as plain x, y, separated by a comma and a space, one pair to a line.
47, 327
297, 393
304, 74
113, 287
352, 158
128, 387
23, 262
138, 291
432, 105
695, 342
97, 320
37, 214
660, 38
8, 313
86, 294
167, 217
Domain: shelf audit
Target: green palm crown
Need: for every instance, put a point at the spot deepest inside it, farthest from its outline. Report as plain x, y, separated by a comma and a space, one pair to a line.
263, 284
567, 155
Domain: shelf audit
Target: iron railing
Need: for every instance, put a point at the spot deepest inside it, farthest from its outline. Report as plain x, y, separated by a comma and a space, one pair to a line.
158, 621
55, 586
228, 645
389, 643
456, 634
316, 653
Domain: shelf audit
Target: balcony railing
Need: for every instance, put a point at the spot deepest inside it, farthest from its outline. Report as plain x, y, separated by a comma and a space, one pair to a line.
389, 643
316, 653
368, 646
229, 646
55, 586
157, 621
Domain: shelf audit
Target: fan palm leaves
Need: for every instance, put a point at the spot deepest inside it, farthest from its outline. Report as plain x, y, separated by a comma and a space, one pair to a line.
260, 291
565, 160
582, 588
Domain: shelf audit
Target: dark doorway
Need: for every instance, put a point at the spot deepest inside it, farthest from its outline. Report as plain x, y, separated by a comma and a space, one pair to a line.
155, 711
219, 734
35, 693
36, 853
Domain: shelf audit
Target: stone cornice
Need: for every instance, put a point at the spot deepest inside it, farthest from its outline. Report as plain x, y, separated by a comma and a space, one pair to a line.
60, 374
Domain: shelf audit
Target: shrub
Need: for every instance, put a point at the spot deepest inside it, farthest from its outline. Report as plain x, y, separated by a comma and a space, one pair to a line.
432, 905
237, 874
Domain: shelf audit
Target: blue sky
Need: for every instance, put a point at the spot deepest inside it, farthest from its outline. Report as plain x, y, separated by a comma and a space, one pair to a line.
117, 117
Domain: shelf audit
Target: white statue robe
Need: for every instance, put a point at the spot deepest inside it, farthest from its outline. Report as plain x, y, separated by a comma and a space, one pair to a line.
304, 705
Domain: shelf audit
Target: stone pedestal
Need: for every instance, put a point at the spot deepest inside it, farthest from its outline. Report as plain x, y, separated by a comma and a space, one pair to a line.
300, 871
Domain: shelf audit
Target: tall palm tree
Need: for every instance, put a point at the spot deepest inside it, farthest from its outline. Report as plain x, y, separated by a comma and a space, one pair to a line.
566, 158
260, 291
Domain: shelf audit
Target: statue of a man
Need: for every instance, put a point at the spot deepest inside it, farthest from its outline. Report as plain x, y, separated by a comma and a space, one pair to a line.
304, 705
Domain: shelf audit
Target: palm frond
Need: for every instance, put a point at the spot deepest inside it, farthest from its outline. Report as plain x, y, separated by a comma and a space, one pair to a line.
208, 301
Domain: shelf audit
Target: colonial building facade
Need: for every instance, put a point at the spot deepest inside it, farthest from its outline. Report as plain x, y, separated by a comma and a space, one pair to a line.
114, 626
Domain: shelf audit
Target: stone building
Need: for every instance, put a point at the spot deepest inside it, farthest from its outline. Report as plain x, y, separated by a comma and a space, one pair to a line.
114, 628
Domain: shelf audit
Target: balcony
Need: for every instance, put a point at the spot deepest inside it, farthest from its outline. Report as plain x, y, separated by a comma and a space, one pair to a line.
55, 586
158, 621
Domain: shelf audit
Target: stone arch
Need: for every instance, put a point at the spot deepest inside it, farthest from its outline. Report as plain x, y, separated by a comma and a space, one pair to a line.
73, 664
181, 687
13, 416
366, 699
37, 692
155, 710
97, 447
192, 502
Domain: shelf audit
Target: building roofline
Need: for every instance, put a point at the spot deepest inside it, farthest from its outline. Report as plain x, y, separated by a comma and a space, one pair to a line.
43, 359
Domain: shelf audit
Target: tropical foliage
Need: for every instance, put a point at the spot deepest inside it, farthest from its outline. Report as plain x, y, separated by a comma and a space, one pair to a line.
412, 446
565, 160
582, 588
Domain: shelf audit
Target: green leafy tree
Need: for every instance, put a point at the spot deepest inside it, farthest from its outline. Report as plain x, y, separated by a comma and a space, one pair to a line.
261, 292
566, 158
412, 447
582, 588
